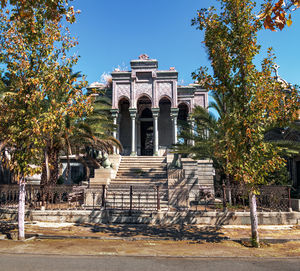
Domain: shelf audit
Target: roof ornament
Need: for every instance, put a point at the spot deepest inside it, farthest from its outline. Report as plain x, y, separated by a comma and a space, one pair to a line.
143, 57
275, 68
278, 78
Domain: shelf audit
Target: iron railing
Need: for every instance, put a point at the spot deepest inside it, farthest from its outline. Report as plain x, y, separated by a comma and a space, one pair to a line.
57, 197
135, 198
269, 197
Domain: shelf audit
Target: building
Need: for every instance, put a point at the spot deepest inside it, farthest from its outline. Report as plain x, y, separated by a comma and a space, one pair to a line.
146, 104
147, 107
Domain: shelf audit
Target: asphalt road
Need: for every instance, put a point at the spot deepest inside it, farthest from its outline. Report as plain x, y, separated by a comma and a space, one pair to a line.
16, 262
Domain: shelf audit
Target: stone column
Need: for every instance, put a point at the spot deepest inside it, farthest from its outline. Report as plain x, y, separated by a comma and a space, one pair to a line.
132, 112
114, 113
174, 115
155, 113
192, 127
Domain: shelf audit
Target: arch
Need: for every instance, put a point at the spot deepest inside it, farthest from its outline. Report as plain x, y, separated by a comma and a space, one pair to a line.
183, 111
122, 99
183, 104
142, 103
166, 97
165, 122
124, 124
144, 95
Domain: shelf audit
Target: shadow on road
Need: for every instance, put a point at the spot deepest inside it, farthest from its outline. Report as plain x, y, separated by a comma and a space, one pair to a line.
170, 232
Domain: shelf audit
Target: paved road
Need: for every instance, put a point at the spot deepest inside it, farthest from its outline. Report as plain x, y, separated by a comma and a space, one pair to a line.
110, 263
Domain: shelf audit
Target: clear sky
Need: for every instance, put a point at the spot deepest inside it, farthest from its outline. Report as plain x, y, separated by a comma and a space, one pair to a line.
113, 32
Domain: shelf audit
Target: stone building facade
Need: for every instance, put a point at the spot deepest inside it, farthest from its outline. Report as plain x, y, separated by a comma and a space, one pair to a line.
147, 104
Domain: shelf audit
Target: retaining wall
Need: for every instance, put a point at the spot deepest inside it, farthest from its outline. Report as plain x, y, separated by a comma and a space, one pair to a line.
186, 217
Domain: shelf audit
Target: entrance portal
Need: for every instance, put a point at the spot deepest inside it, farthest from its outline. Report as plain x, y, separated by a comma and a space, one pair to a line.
147, 138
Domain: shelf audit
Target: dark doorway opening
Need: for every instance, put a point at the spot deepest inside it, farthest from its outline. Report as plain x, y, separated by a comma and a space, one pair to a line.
298, 174
147, 138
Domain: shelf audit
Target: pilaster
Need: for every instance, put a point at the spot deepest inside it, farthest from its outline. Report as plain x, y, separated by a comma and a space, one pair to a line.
174, 115
192, 129
155, 113
114, 114
133, 112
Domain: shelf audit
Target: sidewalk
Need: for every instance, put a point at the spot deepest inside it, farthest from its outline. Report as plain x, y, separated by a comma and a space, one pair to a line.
155, 232
147, 240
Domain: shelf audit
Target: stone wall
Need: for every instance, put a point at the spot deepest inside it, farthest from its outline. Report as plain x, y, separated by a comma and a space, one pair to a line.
196, 177
188, 217
199, 175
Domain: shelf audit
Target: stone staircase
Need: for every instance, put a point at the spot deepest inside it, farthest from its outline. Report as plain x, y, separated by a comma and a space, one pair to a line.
145, 177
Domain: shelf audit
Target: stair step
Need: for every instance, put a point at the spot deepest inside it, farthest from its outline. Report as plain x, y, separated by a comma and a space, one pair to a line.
143, 157
132, 165
142, 170
143, 174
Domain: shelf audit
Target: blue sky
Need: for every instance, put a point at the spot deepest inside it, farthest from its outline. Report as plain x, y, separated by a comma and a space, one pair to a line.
111, 33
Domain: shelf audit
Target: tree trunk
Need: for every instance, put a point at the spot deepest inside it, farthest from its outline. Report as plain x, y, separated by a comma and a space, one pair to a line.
68, 169
47, 165
69, 152
229, 189
254, 220
21, 209
50, 169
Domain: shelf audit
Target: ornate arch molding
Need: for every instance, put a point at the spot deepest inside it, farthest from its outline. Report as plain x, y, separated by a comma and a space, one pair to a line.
185, 103
166, 97
147, 102
141, 96
123, 97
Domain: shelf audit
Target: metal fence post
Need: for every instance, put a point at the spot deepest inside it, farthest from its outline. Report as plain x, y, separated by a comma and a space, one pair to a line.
130, 206
290, 201
158, 198
103, 196
94, 200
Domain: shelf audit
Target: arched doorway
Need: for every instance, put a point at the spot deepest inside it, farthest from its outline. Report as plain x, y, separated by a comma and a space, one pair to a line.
182, 119
165, 131
145, 122
125, 126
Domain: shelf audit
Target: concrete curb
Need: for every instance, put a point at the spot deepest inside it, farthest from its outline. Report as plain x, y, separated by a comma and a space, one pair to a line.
56, 237
107, 254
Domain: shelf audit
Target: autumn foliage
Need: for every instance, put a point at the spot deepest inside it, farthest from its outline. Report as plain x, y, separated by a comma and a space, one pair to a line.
277, 15
42, 94
254, 101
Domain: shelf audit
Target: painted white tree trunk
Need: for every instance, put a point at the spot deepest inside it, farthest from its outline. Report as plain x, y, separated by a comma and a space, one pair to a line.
21, 209
47, 166
254, 220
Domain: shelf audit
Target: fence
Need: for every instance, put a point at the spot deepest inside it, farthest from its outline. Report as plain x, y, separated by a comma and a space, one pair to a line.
269, 198
58, 197
137, 198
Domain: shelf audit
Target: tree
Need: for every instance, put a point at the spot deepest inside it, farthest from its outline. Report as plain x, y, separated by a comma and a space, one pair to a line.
204, 132
93, 133
276, 15
256, 99
59, 141
34, 49
54, 10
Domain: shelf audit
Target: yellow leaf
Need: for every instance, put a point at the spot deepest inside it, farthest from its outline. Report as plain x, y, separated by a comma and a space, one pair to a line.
289, 22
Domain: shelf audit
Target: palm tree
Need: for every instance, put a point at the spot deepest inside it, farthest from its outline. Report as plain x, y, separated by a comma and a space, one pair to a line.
89, 134
288, 139
94, 134
206, 130
206, 133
